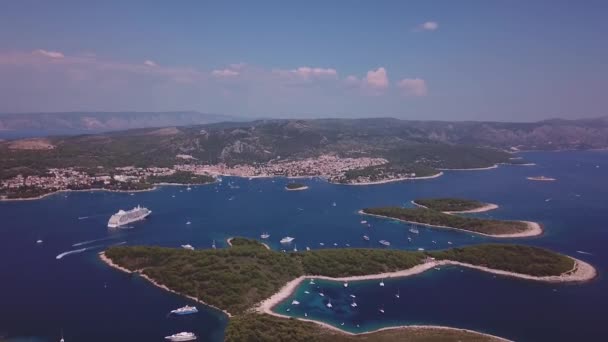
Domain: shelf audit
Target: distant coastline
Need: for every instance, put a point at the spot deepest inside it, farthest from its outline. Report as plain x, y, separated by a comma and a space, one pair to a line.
68, 190
533, 228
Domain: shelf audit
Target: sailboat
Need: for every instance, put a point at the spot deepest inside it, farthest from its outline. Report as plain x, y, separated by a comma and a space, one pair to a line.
62, 340
382, 282
213, 245
397, 295
312, 281
329, 304
345, 284
414, 230
265, 236
295, 248
353, 304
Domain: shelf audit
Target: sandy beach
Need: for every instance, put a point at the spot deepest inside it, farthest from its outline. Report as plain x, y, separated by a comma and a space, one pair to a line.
581, 272
533, 228
109, 262
485, 207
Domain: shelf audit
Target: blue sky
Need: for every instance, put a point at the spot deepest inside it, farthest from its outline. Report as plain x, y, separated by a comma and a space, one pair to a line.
449, 60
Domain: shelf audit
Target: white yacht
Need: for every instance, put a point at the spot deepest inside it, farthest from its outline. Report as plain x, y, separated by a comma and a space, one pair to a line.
287, 239
182, 336
188, 247
265, 236
295, 302
122, 217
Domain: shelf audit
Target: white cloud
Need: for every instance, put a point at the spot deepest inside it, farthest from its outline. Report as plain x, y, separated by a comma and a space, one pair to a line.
428, 26
413, 86
150, 63
377, 79
49, 54
224, 73
308, 72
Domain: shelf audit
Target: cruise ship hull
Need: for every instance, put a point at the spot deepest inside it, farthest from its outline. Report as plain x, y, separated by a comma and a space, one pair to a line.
139, 218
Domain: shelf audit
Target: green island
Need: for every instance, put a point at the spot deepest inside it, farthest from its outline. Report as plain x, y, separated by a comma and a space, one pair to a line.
181, 177
449, 204
263, 327
295, 186
436, 218
238, 278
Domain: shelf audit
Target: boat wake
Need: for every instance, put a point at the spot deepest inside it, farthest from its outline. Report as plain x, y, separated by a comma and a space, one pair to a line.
583, 252
76, 251
82, 243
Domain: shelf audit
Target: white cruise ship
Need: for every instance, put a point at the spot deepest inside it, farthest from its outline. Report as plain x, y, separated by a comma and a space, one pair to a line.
182, 336
125, 217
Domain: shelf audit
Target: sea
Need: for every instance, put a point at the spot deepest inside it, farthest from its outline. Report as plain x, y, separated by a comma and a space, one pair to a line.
42, 297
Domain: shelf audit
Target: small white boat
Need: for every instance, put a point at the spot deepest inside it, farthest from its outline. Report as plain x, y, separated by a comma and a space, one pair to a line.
333, 204
353, 296
321, 244
397, 295
287, 239
295, 248
345, 284
365, 237
433, 241
307, 248
382, 282
288, 309
188, 188
321, 294
409, 239
329, 304
353, 304
381, 310
295, 302
38, 241
335, 244
306, 292
305, 314
182, 336
213, 245
265, 236
188, 247
414, 230
342, 323
363, 222
449, 242
188, 222
312, 281
185, 310
420, 249
384, 243
437, 268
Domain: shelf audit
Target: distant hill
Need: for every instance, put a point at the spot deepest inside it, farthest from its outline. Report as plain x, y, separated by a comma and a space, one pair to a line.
68, 123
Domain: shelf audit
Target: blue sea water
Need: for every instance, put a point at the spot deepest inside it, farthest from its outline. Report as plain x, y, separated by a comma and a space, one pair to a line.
40, 295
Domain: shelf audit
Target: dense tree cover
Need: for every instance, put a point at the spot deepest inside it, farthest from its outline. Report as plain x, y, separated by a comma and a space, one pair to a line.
357, 261
449, 204
514, 258
256, 327
293, 186
181, 177
437, 218
233, 279
236, 278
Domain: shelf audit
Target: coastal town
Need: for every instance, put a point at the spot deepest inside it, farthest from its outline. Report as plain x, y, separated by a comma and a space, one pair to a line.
332, 168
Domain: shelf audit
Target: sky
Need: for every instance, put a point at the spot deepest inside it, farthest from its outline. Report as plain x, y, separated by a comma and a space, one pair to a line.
440, 60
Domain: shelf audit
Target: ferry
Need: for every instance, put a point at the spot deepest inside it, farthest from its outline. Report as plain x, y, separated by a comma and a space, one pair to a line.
185, 310
385, 243
182, 336
122, 217
287, 239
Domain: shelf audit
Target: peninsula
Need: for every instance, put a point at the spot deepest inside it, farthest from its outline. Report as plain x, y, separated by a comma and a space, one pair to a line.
295, 187
438, 219
247, 275
454, 205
